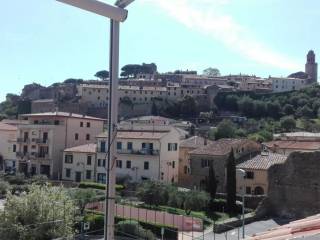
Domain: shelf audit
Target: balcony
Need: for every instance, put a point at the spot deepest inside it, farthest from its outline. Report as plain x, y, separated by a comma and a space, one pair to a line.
139, 152
22, 155
23, 140
42, 156
42, 141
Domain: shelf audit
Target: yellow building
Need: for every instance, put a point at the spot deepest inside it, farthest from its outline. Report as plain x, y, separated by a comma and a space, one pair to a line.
256, 179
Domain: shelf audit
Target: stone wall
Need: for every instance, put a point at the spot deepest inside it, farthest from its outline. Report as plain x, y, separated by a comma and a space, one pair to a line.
294, 187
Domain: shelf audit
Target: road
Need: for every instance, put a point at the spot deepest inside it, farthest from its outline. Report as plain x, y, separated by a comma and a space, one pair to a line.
252, 228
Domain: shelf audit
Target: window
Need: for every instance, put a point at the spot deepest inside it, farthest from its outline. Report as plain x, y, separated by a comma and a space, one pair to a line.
81, 124
88, 124
129, 145
89, 158
119, 145
172, 146
103, 146
146, 165
68, 172
76, 136
248, 190
185, 169
119, 164
56, 122
128, 164
68, 158
204, 163
88, 137
14, 148
88, 174
173, 164
25, 149
250, 175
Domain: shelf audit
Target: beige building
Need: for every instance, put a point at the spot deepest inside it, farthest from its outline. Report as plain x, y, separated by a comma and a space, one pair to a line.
80, 163
141, 155
255, 84
256, 179
40, 143
281, 84
8, 147
287, 146
186, 146
217, 154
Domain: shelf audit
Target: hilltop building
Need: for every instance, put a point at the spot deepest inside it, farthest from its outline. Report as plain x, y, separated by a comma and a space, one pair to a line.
311, 67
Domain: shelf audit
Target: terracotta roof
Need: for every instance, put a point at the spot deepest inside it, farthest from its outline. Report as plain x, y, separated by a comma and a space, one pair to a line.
263, 161
135, 135
220, 147
7, 127
61, 114
194, 142
296, 145
88, 148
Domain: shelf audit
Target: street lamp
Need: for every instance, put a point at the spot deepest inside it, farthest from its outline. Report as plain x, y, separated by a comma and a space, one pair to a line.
242, 174
116, 14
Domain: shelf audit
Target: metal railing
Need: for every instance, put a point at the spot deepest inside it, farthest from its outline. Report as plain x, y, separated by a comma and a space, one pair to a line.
139, 151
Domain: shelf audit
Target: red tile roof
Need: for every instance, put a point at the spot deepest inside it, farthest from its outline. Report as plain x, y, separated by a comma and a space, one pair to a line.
263, 161
296, 145
194, 142
61, 114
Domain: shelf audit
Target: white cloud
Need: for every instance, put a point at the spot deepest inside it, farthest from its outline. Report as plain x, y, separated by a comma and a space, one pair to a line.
207, 17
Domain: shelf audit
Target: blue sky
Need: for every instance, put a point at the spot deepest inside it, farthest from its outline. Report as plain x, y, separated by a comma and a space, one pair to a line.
45, 41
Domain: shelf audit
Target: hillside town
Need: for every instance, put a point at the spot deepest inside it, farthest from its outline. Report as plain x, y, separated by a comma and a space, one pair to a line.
209, 153
159, 120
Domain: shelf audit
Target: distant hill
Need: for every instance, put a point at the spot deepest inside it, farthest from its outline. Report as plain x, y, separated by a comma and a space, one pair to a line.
301, 75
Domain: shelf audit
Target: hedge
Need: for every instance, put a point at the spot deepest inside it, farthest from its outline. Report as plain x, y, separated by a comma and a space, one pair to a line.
96, 221
99, 186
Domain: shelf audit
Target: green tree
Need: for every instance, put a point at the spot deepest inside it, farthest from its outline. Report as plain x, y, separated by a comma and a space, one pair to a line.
189, 107
82, 197
231, 182
288, 109
305, 112
103, 75
288, 123
154, 109
225, 129
231, 102
211, 72
44, 213
133, 229
246, 106
273, 109
212, 183
196, 201
4, 187
260, 109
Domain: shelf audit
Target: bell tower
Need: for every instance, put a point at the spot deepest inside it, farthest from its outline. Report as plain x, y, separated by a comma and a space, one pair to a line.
312, 67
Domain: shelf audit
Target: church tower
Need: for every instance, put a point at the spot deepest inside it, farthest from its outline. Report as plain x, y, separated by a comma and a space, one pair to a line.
312, 67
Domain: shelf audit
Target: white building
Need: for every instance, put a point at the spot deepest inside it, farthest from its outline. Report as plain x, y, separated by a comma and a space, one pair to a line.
280, 84
141, 155
8, 137
40, 143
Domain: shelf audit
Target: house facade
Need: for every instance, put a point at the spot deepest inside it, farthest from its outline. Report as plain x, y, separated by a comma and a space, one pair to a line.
217, 154
40, 143
8, 147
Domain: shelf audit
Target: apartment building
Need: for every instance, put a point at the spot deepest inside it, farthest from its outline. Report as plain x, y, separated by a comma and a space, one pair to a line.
141, 155
280, 84
8, 147
80, 163
255, 84
186, 146
256, 180
202, 81
40, 143
217, 154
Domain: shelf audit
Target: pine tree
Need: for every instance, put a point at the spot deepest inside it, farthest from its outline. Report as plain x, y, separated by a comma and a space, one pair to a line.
212, 184
231, 182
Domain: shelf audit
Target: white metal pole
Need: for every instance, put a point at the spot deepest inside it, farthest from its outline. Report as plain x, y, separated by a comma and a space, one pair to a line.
112, 130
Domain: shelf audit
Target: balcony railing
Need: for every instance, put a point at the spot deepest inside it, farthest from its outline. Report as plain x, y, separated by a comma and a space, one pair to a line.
36, 155
139, 151
23, 140
42, 141
22, 155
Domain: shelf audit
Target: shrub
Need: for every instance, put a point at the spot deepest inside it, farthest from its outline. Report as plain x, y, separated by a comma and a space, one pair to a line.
39, 179
18, 179
96, 221
4, 187
133, 229
99, 186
